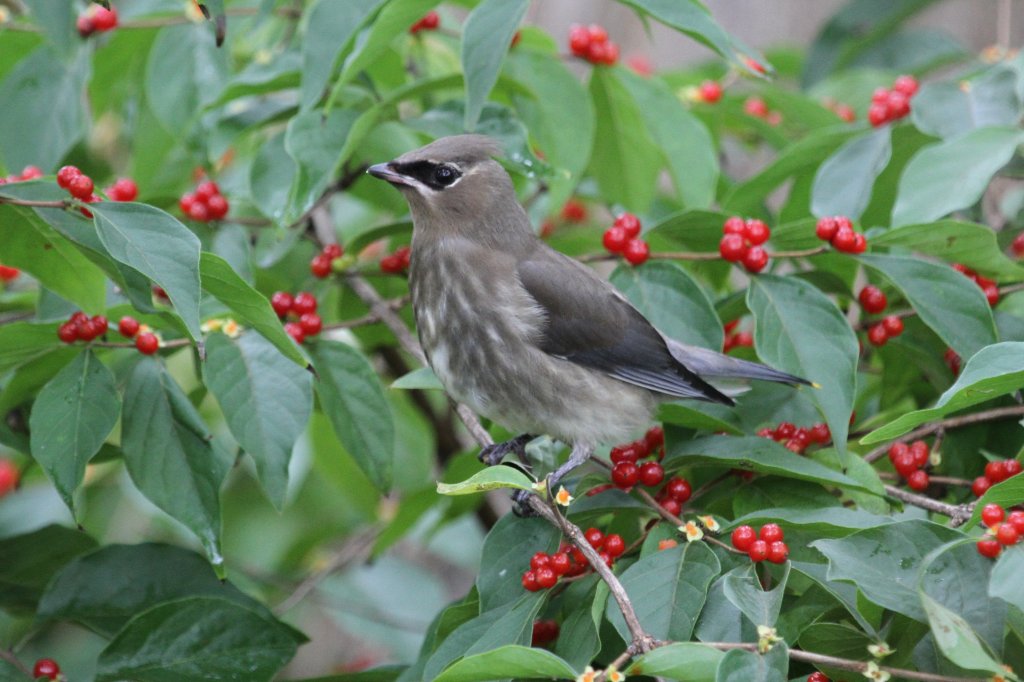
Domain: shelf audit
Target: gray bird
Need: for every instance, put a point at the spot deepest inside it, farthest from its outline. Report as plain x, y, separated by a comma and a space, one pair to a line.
523, 334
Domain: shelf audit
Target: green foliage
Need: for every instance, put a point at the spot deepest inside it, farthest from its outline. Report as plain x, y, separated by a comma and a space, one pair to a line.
210, 512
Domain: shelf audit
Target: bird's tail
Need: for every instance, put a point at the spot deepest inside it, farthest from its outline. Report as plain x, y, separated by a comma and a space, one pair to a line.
712, 365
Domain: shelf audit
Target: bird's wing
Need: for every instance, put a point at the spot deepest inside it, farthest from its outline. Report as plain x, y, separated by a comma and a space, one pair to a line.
591, 324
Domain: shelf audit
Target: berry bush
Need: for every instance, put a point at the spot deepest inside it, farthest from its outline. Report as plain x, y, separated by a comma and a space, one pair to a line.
221, 457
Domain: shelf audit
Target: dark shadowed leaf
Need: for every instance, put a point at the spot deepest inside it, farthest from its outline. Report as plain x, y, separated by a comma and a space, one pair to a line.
511, 539
29, 561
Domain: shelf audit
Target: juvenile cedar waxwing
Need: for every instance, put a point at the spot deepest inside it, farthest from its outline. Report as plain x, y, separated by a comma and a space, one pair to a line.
523, 334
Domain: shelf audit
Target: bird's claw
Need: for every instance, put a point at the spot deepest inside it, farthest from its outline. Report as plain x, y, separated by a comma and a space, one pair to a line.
494, 453
521, 504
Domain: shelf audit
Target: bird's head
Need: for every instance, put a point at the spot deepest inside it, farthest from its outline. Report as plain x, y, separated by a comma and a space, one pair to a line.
452, 183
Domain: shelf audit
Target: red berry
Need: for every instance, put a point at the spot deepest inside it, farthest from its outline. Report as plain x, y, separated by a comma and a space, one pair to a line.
607, 558
898, 105
80, 187
311, 324
980, 485
430, 20
217, 207
771, 532
101, 323
46, 667
305, 302
391, 264
919, 449
743, 537
615, 239
846, 112
784, 430
574, 211
185, 202
544, 632
579, 40
84, 25
128, 327
628, 222
1006, 534
877, 334
546, 577
820, 433
826, 228
625, 475
560, 563
124, 189
991, 294
996, 471
893, 325
732, 247
872, 299
756, 232
206, 190
333, 250
778, 552
66, 174
818, 677
906, 85
654, 438
594, 537
905, 464
320, 266
898, 450
992, 514
1016, 519
918, 480
755, 106
104, 19
68, 332
952, 361
878, 114
636, 252
670, 505
651, 474
597, 33
710, 91
614, 545
7, 273
758, 551
147, 343
9, 476
678, 489
199, 212
755, 259
539, 559
529, 580
844, 239
989, 548
625, 453
735, 225
1017, 246
1011, 467
282, 303
294, 330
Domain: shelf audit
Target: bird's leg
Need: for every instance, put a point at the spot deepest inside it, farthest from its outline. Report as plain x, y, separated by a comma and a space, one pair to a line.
577, 456
494, 453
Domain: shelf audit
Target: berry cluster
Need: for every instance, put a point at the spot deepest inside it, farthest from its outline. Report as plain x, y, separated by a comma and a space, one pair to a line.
79, 185
674, 494
9, 476
735, 339
838, 230
96, 19
909, 462
544, 632
892, 105
322, 263
623, 237
430, 21
797, 438
758, 108
396, 263
1017, 246
27, 173
1001, 533
890, 327
761, 545
995, 472
124, 189
988, 286
46, 667
146, 341
742, 242
591, 43
81, 327
709, 92
205, 203
545, 569
626, 472
302, 307
7, 273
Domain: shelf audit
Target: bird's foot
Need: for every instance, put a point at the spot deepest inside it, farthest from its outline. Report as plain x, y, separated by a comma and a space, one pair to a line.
577, 456
521, 504
493, 454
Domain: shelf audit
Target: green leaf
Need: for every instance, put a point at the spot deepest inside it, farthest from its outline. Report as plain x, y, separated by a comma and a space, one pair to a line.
579, 639
801, 331
674, 303
692, 18
685, 142
392, 21
491, 478
105, 589
668, 590
250, 306
739, 665
625, 162
168, 454
953, 174
1004, 582
952, 305
330, 30
743, 588
198, 638
957, 241
29, 561
184, 72
843, 184
884, 562
827, 522
44, 112
508, 661
947, 108
755, 454
22, 342
508, 541
418, 380
266, 400
157, 245
687, 661
29, 243
315, 142
359, 411
71, 417
486, 36
996, 370
701, 416
957, 640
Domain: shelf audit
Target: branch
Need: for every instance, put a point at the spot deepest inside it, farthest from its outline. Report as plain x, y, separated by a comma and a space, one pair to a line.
701, 255
355, 549
959, 514
950, 423
8, 655
64, 203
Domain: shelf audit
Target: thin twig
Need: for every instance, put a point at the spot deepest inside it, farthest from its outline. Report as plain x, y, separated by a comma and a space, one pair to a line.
958, 513
942, 480
994, 414
355, 549
701, 255
37, 203
8, 655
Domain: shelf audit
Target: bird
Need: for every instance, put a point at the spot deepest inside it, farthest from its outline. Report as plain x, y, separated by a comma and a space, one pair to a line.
523, 334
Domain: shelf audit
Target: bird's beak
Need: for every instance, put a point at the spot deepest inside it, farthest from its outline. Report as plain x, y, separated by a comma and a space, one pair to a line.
385, 171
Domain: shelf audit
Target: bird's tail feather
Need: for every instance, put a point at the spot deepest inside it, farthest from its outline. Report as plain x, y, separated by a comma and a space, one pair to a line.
711, 365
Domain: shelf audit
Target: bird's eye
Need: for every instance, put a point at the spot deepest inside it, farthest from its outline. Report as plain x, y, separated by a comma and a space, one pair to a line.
445, 175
